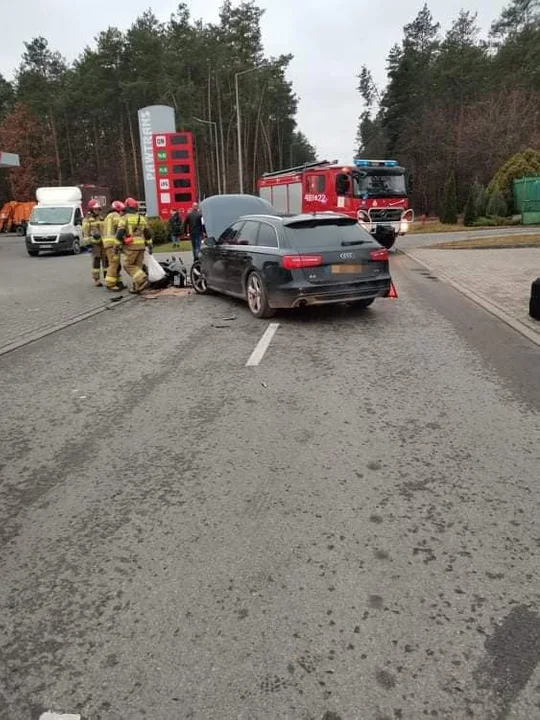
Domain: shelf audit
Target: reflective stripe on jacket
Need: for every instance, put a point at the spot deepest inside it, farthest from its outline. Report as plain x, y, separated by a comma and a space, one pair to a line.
91, 226
110, 228
134, 226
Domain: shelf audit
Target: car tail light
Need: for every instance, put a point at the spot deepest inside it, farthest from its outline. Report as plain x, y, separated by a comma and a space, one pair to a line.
379, 255
295, 262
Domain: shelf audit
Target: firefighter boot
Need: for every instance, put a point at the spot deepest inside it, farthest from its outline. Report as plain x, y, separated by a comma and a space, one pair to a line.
96, 266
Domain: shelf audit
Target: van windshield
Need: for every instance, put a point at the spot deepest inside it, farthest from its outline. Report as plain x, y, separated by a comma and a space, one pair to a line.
51, 215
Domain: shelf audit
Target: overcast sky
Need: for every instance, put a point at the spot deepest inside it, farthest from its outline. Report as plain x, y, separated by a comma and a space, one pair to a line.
330, 40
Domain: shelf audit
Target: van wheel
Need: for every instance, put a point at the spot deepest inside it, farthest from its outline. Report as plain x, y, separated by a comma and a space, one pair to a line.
257, 298
76, 247
33, 253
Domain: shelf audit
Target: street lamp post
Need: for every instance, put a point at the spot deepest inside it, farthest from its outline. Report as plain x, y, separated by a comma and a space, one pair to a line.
239, 125
211, 122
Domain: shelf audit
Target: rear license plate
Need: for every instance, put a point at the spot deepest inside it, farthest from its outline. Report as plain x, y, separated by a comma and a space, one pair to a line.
45, 247
347, 269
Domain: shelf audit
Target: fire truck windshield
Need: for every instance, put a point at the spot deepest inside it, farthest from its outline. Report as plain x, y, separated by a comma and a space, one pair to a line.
378, 185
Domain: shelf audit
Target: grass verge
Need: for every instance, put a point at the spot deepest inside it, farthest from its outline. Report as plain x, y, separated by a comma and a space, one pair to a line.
437, 227
185, 246
490, 243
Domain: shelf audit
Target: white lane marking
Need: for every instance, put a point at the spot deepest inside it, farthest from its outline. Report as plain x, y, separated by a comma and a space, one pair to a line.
56, 716
262, 346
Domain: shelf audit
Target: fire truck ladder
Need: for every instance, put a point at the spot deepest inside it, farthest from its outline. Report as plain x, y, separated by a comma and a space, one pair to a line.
298, 168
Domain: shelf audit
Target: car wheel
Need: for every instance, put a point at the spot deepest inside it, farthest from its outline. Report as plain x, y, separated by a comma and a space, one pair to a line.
363, 303
198, 278
256, 296
76, 247
33, 253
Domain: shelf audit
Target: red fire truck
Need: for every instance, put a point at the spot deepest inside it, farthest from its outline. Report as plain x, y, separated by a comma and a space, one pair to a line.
373, 191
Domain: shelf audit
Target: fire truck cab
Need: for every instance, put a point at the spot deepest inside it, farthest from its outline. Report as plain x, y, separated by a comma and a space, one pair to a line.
372, 191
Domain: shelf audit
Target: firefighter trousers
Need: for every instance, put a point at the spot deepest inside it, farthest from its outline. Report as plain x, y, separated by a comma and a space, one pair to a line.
99, 262
133, 265
112, 277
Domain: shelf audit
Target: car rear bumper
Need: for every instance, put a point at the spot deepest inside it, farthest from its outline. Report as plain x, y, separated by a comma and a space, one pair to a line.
313, 295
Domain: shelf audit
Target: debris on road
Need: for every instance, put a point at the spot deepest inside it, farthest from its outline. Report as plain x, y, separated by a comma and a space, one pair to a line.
170, 291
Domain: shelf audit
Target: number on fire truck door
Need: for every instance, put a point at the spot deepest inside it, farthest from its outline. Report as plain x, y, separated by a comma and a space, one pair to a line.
315, 189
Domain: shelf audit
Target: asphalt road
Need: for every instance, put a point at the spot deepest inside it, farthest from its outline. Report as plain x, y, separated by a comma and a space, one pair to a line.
348, 530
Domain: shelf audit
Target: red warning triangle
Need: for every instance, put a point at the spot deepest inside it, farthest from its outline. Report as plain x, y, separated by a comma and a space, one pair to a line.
392, 293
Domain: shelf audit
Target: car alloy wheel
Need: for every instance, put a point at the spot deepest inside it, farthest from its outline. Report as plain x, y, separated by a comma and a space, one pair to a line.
254, 293
198, 279
76, 247
256, 297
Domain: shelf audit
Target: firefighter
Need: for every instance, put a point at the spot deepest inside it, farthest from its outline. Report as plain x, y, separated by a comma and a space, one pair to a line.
92, 235
113, 246
135, 235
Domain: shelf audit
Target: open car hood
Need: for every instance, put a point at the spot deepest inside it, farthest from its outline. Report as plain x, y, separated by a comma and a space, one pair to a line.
220, 211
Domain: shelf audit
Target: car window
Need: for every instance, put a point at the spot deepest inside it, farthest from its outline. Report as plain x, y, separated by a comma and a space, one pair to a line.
248, 234
229, 236
78, 217
267, 236
315, 184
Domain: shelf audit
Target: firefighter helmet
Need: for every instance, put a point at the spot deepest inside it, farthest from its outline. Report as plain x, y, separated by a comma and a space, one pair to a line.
118, 206
93, 204
131, 203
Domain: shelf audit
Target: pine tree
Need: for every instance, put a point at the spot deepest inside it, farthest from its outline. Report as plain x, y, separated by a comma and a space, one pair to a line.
449, 211
470, 212
497, 205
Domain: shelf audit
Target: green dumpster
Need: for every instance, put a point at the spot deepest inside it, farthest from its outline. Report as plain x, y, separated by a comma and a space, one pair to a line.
527, 199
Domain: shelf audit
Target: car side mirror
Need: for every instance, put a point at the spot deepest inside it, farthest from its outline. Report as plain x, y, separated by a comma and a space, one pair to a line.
210, 241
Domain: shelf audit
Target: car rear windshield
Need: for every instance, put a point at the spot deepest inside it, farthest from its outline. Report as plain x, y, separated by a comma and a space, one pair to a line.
330, 235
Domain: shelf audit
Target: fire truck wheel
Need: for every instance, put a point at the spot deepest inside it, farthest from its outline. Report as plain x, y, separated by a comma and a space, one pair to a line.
256, 296
385, 237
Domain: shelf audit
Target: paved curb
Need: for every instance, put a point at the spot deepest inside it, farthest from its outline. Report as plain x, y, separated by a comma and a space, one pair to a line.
480, 300
40, 334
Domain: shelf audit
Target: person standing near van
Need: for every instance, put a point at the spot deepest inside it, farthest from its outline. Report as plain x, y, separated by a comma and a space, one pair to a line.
92, 229
135, 235
113, 246
194, 225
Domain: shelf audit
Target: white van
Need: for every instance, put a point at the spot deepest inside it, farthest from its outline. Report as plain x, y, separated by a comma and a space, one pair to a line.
56, 221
